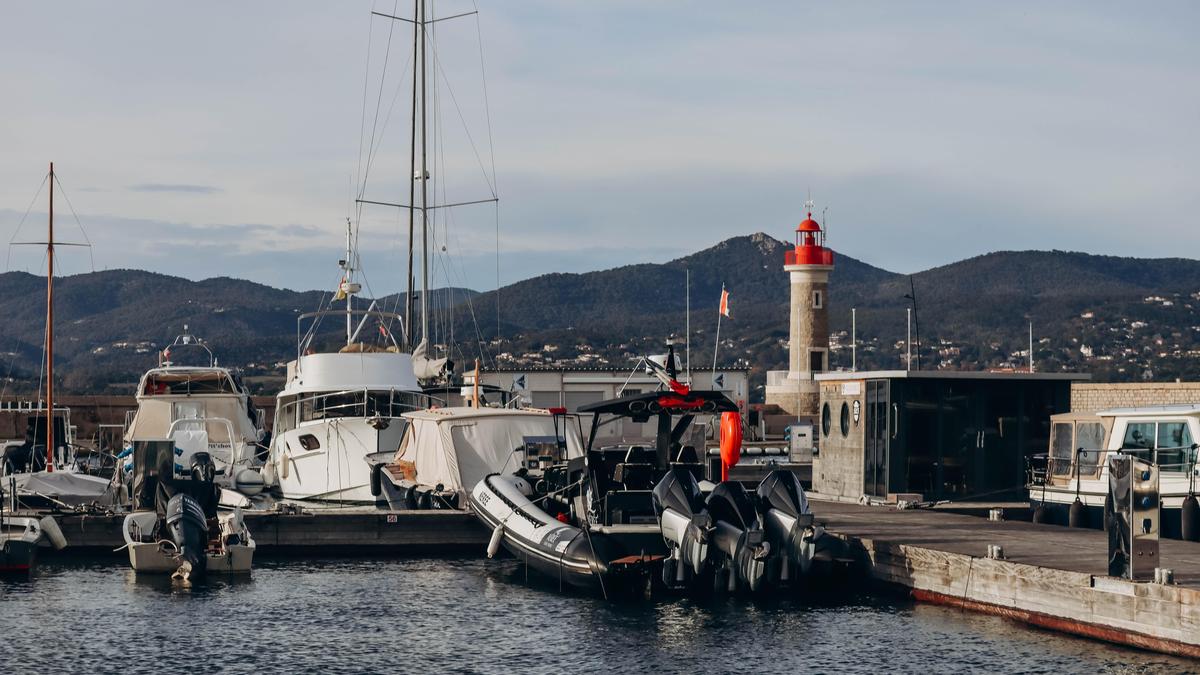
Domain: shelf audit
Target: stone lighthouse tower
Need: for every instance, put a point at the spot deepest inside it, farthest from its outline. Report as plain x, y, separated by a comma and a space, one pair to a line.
808, 264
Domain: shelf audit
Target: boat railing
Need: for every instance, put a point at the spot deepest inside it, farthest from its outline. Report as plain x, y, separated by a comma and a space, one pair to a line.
305, 337
1044, 467
365, 403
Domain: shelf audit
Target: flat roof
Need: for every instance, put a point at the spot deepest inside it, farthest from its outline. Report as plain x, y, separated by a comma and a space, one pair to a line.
1150, 410
841, 375
624, 370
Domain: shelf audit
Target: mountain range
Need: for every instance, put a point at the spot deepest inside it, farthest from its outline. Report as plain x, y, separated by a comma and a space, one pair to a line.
1118, 318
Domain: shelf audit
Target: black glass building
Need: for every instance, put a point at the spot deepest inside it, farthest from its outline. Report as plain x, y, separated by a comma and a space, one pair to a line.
931, 435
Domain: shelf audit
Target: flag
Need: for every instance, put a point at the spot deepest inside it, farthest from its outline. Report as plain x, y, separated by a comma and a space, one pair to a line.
341, 291
724, 302
383, 330
167, 353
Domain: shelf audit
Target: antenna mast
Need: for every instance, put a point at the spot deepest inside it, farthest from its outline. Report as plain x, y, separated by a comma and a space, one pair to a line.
348, 279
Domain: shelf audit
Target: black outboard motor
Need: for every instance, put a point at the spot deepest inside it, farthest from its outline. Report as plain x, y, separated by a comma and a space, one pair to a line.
787, 521
737, 538
685, 525
192, 502
189, 530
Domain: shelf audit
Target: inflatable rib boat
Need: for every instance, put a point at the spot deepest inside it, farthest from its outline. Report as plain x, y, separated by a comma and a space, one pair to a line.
634, 518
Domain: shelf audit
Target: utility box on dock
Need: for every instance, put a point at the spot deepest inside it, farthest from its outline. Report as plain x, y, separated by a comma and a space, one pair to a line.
800, 442
1133, 518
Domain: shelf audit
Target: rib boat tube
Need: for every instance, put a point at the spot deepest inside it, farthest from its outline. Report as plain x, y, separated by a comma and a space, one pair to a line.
740, 550
797, 543
554, 548
686, 526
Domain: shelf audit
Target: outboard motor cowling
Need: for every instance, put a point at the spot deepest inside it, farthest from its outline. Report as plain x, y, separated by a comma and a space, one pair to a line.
685, 526
189, 530
787, 522
737, 536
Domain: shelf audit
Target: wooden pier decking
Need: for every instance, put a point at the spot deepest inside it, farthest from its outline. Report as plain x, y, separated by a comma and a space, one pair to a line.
1052, 577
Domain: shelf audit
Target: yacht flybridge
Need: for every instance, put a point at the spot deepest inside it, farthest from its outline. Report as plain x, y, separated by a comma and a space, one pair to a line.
204, 408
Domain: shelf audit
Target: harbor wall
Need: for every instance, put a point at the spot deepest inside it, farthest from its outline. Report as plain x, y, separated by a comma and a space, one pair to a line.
1164, 618
1095, 396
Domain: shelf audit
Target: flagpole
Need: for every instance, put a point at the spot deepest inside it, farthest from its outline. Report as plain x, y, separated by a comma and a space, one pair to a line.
717, 346
687, 292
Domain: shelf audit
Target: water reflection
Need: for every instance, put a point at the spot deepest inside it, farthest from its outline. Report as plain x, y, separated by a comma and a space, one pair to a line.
450, 614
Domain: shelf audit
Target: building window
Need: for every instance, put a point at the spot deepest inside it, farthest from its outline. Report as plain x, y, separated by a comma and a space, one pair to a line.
845, 419
817, 300
816, 361
826, 421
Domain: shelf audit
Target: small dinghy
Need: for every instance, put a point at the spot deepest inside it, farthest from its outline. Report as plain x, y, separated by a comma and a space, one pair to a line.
20, 537
177, 528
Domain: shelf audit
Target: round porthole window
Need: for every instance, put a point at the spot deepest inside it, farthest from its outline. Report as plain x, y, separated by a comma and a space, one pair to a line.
845, 419
826, 421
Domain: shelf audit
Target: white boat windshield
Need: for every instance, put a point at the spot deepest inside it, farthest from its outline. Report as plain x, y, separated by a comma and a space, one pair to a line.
1168, 444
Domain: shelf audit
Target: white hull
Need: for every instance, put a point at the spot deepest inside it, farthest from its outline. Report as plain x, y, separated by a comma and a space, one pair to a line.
337, 470
149, 558
157, 557
1172, 490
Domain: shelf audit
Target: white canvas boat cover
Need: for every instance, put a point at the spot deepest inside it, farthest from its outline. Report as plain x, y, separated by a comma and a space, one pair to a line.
457, 447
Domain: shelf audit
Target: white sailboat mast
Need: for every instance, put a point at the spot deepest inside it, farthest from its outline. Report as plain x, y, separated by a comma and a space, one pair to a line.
424, 177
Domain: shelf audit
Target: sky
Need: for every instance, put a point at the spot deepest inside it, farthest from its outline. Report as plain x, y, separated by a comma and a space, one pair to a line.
230, 138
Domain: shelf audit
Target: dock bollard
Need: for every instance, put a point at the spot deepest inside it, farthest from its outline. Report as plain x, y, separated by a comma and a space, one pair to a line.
996, 515
1164, 575
995, 552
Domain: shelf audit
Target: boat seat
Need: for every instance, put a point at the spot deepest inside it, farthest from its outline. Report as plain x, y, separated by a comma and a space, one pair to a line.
634, 476
624, 507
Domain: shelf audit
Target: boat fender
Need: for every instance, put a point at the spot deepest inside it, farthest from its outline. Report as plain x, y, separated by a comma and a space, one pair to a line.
493, 546
1190, 518
283, 468
249, 482
376, 480
53, 533
1075, 517
1039, 514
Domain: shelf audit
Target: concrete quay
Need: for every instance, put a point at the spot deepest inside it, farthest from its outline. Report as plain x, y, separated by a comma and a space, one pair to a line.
1051, 577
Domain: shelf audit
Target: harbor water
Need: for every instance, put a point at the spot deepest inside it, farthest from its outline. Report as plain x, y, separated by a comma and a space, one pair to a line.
474, 615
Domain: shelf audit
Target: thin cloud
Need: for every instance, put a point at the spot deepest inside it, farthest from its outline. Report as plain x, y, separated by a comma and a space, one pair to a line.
175, 187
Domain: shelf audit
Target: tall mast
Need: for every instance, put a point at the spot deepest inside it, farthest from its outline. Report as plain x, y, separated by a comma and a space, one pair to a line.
424, 189
412, 174
50, 331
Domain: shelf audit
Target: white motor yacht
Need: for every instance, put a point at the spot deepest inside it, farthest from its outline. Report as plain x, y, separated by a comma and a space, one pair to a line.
206, 408
342, 404
334, 410
1081, 444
